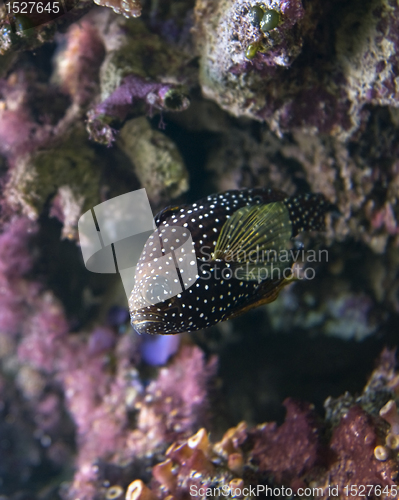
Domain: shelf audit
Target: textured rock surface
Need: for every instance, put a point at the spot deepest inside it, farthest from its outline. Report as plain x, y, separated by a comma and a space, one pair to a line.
350, 61
156, 160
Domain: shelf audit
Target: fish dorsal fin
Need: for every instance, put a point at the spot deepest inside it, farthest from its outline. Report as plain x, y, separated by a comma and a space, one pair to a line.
166, 213
254, 237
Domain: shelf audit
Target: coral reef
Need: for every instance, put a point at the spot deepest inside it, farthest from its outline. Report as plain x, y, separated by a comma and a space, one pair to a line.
102, 404
36, 177
190, 98
118, 417
295, 456
49, 155
130, 77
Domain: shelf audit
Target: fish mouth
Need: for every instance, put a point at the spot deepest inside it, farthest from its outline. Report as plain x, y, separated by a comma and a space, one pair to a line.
147, 326
152, 322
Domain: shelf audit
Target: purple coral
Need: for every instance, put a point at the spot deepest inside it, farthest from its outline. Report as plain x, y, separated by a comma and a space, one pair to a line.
353, 443
176, 402
120, 103
294, 448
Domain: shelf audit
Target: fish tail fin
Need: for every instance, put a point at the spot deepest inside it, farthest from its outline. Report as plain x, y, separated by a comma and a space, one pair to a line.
307, 212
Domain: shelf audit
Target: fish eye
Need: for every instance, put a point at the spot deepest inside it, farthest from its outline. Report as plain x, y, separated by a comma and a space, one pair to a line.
158, 291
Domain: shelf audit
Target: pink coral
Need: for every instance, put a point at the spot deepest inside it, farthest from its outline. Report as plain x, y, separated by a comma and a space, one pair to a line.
15, 261
20, 133
180, 391
78, 64
169, 408
100, 394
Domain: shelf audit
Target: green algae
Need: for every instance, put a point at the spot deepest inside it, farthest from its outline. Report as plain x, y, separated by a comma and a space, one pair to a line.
270, 20
73, 163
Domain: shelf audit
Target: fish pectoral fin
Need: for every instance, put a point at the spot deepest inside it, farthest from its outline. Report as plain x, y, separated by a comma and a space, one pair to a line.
255, 235
268, 294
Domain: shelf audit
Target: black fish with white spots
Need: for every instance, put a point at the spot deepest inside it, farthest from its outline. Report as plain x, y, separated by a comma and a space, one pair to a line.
218, 258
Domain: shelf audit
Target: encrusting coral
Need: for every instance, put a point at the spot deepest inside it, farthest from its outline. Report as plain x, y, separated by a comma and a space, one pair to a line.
49, 153
129, 77
296, 455
128, 8
36, 177
293, 93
